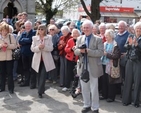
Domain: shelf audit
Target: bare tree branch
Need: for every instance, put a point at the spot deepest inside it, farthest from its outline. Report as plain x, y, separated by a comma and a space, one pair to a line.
85, 8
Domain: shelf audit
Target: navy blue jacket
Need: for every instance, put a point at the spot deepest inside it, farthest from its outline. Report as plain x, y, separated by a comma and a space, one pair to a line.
25, 41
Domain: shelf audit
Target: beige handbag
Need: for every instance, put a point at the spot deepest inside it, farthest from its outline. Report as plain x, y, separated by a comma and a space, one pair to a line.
115, 71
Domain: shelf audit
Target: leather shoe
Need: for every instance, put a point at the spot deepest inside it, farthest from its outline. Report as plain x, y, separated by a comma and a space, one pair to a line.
102, 98
40, 96
95, 111
24, 85
86, 109
110, 100
11, 91
136, 105
126, 104
32, 87
1, 90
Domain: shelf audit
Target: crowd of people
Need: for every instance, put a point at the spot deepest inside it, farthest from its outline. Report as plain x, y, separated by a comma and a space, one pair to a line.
51, 53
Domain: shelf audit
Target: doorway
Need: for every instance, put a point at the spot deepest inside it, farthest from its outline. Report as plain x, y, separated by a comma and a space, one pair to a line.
10, 10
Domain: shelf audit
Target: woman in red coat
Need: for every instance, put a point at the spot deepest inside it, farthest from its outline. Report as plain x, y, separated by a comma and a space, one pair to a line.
61, 47
71, 59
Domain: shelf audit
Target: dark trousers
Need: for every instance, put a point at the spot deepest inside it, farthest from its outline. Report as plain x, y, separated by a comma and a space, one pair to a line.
41, 78
109, 90
69, 76
26, 60
6, 71
62, 70
53, 74
104, 83
132, 80
113, 90
33, 78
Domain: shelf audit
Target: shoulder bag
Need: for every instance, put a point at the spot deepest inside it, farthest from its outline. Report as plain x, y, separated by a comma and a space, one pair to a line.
85, 73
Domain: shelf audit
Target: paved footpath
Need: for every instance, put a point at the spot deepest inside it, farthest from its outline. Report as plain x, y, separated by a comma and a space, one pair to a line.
25, 100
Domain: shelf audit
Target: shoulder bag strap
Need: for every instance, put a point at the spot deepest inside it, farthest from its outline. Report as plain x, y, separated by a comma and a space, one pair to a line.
86, 60
10, 39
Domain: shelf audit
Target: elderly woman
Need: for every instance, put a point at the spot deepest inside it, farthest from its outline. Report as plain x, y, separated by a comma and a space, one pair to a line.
111, 57
71, 59
42, 61
61, 47
52, 29
133, 68
7, 43
95, 29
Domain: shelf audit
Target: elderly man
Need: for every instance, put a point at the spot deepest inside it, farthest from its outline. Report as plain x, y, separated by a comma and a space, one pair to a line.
25, 42
121, 38
94, 51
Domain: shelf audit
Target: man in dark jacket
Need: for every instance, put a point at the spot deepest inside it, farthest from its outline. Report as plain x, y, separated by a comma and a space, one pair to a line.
25, 42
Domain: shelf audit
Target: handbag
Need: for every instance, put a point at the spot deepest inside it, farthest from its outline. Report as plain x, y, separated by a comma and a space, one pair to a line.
85, 73
115, 71
16, 54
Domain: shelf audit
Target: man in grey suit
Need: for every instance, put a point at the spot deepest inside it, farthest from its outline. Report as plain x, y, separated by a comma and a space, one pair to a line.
95, 50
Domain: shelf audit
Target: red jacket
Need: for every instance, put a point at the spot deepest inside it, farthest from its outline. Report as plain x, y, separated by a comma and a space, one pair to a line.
69, 52
61, 47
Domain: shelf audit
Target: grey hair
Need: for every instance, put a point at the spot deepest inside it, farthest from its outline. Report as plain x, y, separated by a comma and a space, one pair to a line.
122, 22
102, 25
65, 28
76, 30
96, 26
138, 24
28, 22
52, 27
110, 32
88, 22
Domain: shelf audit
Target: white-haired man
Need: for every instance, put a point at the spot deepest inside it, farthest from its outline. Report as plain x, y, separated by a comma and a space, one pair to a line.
25, 42
94, 49
121, 38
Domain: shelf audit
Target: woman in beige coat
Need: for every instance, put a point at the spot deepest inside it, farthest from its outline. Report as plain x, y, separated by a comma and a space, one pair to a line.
42, 61
7, 43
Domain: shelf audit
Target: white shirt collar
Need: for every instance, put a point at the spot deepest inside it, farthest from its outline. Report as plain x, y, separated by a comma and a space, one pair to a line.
122, 33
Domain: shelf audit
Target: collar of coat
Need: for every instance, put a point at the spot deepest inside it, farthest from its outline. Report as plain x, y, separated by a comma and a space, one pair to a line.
45, 37
114, 43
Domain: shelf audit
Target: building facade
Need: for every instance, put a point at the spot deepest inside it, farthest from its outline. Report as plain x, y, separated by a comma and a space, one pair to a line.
13, 7
111, 10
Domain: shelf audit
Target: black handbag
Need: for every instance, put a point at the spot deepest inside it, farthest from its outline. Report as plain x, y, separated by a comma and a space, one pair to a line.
15, 52
85, 73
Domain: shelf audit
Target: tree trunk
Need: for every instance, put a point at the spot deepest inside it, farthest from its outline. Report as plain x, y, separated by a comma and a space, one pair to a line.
95, 10
49, 14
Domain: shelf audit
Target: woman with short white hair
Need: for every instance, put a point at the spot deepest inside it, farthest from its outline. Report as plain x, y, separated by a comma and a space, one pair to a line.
52, 75
71, 58
110, 58
61, 47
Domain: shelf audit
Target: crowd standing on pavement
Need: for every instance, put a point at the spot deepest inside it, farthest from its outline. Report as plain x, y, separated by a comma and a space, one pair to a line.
55, 53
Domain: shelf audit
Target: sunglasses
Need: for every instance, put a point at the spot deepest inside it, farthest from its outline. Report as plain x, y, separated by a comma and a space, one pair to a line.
41, 29
51, 29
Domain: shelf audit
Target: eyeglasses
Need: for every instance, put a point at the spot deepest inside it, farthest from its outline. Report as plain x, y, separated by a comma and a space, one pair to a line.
51, 29
41, 29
